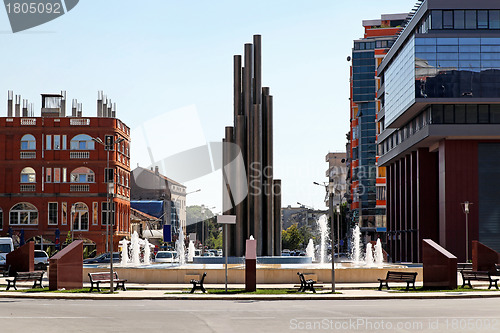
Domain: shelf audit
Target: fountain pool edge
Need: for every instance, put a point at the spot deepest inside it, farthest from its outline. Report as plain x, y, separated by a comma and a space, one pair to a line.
236, 274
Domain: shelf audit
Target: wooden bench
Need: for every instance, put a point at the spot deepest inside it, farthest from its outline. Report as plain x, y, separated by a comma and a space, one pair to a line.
35, 276
105, 277
408, 277
198, 284
306, 284
464, 266
468, 276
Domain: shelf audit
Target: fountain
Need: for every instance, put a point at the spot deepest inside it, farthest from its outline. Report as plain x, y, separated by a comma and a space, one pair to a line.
180, 248
369, 255
379, 255
147, 253
323, 229
125, 259
310, 249
191, 251
136, 249
279, 271
356, 246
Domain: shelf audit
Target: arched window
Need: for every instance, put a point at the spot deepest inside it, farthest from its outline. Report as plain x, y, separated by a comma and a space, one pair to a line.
80, 216
28, 142
82, 175
23, 213
28, 175
82, 142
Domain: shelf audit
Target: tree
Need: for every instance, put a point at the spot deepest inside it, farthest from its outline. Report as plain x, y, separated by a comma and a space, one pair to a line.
292, 238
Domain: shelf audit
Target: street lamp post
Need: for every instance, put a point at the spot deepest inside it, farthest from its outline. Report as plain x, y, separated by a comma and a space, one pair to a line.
307, 212
110, 190
466, 209
338, 230
330, 190
203, 211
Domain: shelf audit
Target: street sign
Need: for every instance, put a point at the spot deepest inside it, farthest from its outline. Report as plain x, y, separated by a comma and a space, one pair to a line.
226, 219
167, 233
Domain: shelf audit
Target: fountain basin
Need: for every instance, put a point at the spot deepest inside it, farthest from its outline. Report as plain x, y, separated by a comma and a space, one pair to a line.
266, 273
260, 260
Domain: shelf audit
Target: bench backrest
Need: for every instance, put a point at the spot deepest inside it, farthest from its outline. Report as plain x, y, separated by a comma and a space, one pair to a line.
475, 274
401, 275
301, 277
102, 276
464, 266
28, 275
203, 277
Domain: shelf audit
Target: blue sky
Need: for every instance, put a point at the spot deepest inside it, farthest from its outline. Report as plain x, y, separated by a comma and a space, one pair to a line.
156, 58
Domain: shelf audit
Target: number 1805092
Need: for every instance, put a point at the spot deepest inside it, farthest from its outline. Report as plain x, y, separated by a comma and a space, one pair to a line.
33, 8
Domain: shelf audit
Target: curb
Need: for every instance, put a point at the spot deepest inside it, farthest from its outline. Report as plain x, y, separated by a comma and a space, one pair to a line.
201, 297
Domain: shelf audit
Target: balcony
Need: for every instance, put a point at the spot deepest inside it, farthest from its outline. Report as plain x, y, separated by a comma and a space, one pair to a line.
79, 188
28, 121
79, 122
28, 187
79, 155
28, 155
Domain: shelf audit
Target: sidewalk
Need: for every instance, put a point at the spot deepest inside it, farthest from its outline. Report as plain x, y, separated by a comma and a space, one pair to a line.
347, 291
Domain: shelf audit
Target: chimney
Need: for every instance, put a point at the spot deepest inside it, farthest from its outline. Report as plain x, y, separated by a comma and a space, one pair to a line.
10, 95
113, 111
63, 104
32, 110
79, 110
99, 103
18, 105
110, 105
104, 107
74, 105
157, 170
25, 107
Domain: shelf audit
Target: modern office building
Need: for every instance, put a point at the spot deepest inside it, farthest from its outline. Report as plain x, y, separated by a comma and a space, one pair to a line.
54, 176
366, 179
440, 121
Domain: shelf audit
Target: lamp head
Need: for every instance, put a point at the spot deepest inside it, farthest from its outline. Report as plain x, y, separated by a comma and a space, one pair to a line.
98, 140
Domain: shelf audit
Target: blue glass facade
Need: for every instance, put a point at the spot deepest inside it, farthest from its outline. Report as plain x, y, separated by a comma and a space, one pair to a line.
457, 67
364, 94
400, 83
363, 74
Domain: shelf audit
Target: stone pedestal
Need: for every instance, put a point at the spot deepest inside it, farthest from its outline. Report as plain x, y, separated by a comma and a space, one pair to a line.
22, 259
66, 267
440, 266
251, 265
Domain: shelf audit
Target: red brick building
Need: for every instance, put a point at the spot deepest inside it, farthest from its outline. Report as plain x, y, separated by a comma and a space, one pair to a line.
53, 174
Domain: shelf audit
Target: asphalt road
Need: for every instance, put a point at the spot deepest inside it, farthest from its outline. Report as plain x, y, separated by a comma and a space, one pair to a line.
139, 316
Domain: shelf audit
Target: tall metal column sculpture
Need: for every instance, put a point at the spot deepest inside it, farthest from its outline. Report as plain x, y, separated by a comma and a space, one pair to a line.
259, 215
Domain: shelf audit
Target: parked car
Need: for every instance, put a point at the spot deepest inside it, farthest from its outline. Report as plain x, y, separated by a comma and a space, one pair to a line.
166, 256
103, 258
3, 260
6, 245
41, 260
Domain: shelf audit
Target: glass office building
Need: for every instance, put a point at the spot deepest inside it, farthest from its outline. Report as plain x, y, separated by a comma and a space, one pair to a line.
440, 128
366, 179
